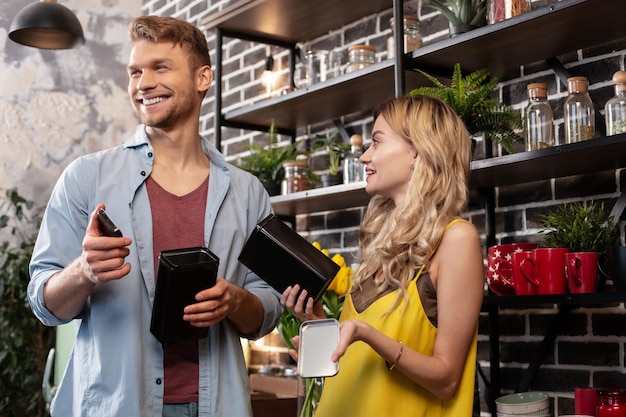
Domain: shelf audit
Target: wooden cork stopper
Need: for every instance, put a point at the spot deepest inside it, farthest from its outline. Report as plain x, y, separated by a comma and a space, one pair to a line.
356, 140
619, 77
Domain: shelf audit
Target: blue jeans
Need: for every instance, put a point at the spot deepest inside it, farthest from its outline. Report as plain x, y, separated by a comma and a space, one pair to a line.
180, 410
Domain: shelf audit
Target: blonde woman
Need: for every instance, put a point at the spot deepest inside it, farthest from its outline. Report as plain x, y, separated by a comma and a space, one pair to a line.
408, 328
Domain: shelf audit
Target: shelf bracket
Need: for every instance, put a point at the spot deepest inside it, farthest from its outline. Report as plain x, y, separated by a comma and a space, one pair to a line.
494, 358
217, 117
342, 130
400, 58
558, 323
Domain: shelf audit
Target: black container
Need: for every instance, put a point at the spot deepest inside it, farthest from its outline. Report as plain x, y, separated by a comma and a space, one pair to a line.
282, 258
182, 274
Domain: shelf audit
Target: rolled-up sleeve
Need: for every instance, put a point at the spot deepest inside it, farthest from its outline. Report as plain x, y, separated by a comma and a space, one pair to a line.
59, 240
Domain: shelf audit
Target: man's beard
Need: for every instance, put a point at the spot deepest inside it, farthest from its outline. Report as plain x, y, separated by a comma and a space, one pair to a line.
161, 122
172, 115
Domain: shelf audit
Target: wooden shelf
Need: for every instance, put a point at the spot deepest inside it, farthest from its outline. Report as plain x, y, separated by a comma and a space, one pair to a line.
534, 36
559, 299
335, 197
357, 91
291, 21
547, 32
595, 155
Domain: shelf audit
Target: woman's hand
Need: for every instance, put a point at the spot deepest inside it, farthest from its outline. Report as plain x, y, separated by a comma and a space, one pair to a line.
301, 305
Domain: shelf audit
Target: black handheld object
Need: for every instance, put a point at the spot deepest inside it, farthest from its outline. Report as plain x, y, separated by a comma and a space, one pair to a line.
107, 225
282, 258
181, 275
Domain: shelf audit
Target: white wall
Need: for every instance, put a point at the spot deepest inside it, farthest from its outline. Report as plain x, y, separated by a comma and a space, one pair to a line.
57, 105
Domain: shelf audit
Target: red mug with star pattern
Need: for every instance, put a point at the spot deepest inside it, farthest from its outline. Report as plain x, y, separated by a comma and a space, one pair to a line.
500, 266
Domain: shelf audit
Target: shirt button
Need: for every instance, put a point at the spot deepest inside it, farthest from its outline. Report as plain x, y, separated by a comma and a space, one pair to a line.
159, 381
143, 173
149, 154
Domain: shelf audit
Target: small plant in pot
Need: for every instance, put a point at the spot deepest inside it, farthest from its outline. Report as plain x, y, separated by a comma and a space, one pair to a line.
587, 231
470, 96
266, 162
579, 227
463, 15
336, 149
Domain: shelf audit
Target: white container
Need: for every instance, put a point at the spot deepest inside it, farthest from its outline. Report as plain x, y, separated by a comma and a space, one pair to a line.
533, 403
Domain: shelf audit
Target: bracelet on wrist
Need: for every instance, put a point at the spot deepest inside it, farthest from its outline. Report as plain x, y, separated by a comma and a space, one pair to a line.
393, 365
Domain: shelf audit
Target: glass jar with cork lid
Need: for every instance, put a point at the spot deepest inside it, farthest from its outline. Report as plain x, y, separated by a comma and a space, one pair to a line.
539, 118
412, 37
615, 108
579, 111
360, 56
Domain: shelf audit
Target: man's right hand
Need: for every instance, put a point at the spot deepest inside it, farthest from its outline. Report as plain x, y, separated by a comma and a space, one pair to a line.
103, 258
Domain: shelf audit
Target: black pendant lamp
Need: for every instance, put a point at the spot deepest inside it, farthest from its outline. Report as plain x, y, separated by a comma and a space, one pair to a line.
47, 25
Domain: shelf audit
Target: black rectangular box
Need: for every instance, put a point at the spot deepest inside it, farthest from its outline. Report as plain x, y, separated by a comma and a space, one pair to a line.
282, 258
182, 274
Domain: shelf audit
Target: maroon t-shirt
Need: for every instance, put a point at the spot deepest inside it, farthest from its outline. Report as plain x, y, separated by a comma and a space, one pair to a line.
178, 222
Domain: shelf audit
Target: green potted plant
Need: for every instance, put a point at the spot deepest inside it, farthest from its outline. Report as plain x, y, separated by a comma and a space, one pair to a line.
336, 149
24, 341
579, 227
463, 15
266, 162
470, 97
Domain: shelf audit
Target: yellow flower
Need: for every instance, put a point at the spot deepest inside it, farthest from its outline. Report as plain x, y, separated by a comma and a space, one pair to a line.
342, 281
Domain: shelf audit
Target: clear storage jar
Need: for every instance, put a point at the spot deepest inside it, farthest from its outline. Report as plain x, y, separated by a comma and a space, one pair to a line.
412, 37
360, 56
539, 118
296, 177
579, 111
615, 108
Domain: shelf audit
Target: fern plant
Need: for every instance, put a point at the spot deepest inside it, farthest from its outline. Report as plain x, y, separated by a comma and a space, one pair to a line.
462, 12
579, 227
470, 97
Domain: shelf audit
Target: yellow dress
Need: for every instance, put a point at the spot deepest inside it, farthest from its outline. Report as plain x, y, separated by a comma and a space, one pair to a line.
364, 387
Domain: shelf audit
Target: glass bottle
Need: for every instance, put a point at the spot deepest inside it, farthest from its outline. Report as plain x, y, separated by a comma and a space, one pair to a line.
353, 169
296, 177
611, 403
360, 56
615, 108
579, 111
412, 38
539, 119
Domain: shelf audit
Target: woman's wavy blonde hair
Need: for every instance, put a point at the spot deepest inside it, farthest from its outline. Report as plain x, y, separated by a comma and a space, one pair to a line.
396, 241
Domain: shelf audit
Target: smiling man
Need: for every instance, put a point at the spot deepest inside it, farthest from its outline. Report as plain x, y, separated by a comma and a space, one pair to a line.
167, 188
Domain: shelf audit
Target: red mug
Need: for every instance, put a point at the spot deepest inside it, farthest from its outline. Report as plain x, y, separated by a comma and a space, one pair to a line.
581, 271
547, 271
522, 285
585, 401
499, 268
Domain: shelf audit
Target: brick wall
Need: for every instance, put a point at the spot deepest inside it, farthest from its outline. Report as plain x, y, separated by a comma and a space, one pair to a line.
590, 347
